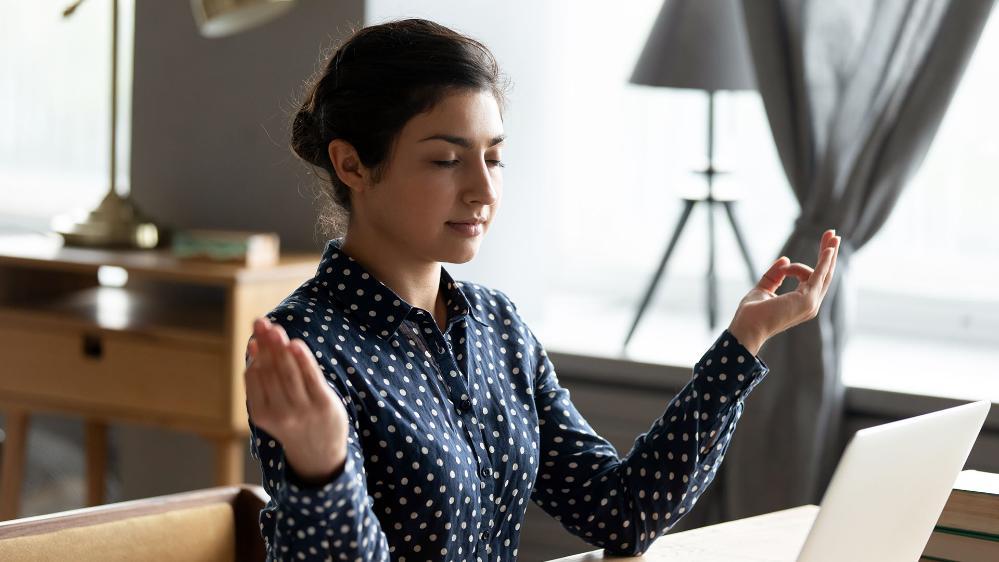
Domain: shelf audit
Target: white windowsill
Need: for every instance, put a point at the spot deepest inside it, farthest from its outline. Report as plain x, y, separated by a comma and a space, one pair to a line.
585, 337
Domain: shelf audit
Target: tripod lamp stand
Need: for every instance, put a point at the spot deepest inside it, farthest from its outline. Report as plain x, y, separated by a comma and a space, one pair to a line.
698, 44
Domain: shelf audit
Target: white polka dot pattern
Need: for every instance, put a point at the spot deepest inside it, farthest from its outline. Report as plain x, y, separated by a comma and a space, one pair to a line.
453, 432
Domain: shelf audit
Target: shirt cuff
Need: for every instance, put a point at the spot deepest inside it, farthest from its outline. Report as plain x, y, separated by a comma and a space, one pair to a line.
731, 368
320, 501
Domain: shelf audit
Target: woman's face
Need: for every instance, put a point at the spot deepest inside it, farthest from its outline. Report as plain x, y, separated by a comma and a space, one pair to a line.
446, 167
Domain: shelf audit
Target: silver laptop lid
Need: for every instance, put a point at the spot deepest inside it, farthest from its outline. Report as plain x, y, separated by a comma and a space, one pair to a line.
891, 485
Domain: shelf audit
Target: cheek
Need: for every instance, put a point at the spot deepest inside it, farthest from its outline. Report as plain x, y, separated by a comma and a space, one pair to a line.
422, 201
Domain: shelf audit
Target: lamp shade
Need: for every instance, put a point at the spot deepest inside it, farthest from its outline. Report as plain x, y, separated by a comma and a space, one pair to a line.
699, 44
218, 18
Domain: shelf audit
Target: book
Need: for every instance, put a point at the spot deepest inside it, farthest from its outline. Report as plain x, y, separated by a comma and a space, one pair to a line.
973, 505
252, 249
961, 547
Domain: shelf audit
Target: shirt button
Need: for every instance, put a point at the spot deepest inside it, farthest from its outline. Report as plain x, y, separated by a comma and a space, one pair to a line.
484, 535
485, 472
465, 405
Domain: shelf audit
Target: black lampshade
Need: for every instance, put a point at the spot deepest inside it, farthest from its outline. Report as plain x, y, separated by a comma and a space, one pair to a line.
698, 44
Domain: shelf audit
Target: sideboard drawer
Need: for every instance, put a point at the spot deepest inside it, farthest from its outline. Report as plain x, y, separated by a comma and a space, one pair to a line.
127, 373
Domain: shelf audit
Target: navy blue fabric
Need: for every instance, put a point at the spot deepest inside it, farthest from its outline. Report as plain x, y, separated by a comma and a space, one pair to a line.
453, 432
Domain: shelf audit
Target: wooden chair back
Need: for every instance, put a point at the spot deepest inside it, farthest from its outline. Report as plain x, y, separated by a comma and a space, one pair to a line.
211, 525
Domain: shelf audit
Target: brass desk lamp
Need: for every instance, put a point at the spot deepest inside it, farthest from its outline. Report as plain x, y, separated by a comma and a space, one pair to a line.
117, 222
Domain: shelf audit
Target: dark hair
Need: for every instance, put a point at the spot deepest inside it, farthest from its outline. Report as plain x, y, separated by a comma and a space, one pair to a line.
375, 81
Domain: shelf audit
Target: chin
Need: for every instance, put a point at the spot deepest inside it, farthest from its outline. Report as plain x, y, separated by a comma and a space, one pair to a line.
465, 255
464, 251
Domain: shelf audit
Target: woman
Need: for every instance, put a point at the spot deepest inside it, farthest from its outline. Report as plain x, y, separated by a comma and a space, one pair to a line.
400, 414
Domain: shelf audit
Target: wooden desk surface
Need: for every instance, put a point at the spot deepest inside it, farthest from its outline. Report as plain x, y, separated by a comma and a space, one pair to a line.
772, 537
48, 252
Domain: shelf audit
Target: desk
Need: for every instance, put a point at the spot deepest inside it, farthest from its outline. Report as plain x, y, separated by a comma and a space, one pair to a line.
772, 537
166, 349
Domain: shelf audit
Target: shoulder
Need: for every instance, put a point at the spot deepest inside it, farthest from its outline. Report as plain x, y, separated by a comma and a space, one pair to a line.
302, 309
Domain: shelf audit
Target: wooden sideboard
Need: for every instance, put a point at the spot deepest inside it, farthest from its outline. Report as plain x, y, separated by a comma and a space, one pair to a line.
164, 349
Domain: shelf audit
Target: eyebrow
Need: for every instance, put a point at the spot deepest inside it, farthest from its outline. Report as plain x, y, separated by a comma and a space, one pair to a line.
462, 141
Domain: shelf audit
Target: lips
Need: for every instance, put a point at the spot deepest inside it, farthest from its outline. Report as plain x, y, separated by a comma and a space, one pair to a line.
470, 221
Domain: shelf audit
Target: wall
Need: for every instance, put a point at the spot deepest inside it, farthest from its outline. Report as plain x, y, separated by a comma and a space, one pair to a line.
210, 118
210, 149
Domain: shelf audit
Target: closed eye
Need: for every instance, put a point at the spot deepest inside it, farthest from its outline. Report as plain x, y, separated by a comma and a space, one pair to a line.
453, 163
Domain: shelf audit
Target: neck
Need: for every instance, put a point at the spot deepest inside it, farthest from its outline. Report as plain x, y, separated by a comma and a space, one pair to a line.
415, 280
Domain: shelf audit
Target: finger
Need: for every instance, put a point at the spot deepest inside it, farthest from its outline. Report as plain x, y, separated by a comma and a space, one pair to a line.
774, 276
832, 267
265, 364
827, 238
312, 376
287, 371
799, 271
282, 335
256, 396
261, 327
815, 282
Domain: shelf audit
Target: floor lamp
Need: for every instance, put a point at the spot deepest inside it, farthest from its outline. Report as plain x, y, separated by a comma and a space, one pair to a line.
701, 45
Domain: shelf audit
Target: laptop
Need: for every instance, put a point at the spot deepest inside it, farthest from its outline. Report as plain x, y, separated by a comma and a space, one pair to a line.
891, 485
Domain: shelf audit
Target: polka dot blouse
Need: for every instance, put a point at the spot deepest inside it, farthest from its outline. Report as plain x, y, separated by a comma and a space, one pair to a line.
452, 432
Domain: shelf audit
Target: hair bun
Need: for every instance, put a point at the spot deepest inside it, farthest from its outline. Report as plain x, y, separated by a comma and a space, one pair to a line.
307, 139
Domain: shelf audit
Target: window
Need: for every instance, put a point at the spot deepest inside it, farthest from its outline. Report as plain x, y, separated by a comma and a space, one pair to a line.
927, 309
929, 274
619, 194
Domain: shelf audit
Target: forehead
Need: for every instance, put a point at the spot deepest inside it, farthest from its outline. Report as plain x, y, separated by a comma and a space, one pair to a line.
472, 114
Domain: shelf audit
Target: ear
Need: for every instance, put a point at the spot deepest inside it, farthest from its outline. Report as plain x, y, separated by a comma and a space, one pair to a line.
347, 164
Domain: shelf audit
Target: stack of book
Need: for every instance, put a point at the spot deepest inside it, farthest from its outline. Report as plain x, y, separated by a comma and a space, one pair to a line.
250, 249
968, 528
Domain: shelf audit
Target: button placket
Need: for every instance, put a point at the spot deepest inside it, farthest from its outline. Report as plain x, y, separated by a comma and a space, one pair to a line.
445, 361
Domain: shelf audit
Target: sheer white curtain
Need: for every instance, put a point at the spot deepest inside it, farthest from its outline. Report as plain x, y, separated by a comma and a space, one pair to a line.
941, 243
55, 76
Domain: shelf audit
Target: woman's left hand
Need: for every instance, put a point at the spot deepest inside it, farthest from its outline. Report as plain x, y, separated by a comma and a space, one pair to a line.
763, 314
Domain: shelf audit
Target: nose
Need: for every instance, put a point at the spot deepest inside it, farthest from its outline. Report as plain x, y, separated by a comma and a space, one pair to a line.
484, 185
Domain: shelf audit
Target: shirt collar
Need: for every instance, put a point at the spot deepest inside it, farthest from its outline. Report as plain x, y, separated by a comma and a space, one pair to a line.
372, 302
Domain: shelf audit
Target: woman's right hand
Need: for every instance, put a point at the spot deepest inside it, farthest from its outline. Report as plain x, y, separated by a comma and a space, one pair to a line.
288, 397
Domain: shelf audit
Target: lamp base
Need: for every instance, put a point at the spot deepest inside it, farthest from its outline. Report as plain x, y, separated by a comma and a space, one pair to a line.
115, 223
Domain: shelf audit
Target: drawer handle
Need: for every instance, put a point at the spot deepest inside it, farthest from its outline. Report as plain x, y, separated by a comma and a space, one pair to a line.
92, 346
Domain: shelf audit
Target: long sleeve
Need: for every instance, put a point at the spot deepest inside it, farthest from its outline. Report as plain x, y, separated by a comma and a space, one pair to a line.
456, 426
330, 521
624, 504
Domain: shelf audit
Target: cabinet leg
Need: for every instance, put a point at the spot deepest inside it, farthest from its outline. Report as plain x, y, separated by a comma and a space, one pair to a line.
229, 461
13, 463
97, 454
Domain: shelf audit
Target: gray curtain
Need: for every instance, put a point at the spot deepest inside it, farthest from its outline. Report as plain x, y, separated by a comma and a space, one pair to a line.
854, 92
